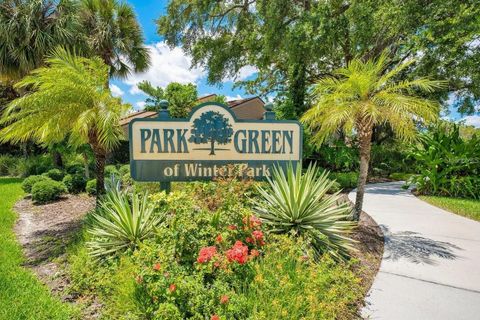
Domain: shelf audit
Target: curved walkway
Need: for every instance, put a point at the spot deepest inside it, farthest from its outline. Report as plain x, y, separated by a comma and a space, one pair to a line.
431, 264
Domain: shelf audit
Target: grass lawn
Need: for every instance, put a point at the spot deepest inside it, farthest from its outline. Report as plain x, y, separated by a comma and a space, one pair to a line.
22, 295
464, 207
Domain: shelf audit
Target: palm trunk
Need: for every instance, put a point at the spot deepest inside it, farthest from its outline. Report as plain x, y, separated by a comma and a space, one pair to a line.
100, 155
85, 164
57, 159
100, 159
365, 144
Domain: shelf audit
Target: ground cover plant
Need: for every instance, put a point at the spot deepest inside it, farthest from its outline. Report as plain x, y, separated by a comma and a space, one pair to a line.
469, 208
447, 164
22, 296
213, 258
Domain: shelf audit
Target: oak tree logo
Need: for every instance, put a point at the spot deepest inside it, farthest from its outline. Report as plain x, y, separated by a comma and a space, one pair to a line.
211, 127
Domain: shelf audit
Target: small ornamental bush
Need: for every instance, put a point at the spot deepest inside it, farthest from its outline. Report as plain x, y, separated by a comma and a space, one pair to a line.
75, 168
123, 170
28, 183
7, 164
111, 170
297, 203
91, 187
47, 190
75, 183
55, 174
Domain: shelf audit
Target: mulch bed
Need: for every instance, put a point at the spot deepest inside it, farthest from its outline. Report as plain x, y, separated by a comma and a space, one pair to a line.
45, 231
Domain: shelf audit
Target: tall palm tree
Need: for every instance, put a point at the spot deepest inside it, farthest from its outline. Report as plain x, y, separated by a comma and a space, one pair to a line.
68, 99
29, 30
365, 94
112, 32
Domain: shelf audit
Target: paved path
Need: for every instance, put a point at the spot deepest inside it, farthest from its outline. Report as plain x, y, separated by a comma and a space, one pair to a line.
431, 264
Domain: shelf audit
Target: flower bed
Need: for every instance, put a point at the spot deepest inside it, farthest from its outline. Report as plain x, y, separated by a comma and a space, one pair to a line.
212, 258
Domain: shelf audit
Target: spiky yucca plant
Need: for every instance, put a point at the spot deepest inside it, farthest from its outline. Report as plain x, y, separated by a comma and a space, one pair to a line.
298, 203
122, 223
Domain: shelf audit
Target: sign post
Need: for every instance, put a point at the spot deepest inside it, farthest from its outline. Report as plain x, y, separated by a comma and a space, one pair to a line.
211, 143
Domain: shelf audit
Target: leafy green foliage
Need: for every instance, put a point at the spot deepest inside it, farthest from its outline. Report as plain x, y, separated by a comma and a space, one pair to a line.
111, 31
30, 30
292, 44
69, 100
184, 272
55, 174
111, 170
447, 164
347, 180
18, 283
298, 203
75, 183
7, 163
47, 190
28, 183
401, 176
337, 156
91, 187
122, 223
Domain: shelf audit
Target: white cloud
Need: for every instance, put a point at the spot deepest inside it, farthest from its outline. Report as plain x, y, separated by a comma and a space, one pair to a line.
242, 74
139, 105
167, 65
230, 98
116, 91
472, 121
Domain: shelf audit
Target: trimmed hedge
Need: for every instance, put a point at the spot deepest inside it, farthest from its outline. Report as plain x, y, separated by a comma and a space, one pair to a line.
28, 183
91, 187
55, 174
47, 190
75, 183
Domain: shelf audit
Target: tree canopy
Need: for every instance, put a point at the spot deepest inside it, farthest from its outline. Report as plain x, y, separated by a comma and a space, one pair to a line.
295, 43
181, 97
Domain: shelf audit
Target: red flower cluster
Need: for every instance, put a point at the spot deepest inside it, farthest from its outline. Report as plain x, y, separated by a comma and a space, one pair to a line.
239, 253
206, 254
224, 299
156, 266
172, 287
252, 222
215, 317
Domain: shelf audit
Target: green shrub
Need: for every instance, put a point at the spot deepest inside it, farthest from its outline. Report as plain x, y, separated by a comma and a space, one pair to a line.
347, 180
7, 164
122, 223
336, 187
400, 176
47, 190
91, 187
125, 169
111, 170
28, 183
448, 165
75, 168
75, 183
298, 203
55, 174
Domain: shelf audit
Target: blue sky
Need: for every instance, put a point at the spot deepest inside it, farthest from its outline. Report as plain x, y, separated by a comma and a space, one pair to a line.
167, 65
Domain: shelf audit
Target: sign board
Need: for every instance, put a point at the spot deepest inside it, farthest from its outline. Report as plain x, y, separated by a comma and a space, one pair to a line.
210, 143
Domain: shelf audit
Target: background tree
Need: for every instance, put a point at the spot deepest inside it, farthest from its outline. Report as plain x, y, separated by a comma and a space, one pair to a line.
69, 99
361, 96
211, 127
181, 97
293, 44
111, 31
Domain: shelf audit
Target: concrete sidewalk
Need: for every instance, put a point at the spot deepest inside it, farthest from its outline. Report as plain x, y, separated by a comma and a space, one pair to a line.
431, 264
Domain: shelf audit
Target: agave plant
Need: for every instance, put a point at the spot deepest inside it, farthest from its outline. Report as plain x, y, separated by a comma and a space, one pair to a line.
121, 223
298, 203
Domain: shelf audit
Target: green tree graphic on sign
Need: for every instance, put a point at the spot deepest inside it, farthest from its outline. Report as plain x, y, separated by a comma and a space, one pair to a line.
211, 127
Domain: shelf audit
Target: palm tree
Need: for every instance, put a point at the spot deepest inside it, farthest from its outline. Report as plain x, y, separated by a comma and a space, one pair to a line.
69, 99
112, 32
29, 30
365, 94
